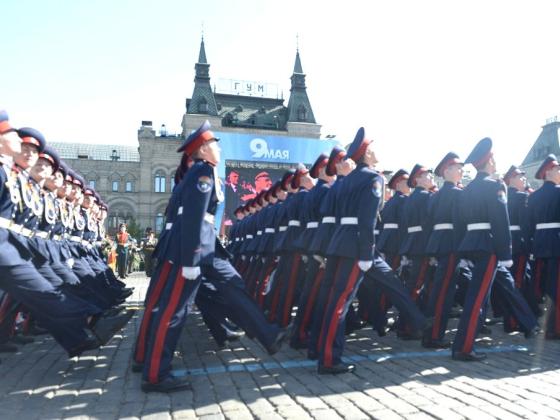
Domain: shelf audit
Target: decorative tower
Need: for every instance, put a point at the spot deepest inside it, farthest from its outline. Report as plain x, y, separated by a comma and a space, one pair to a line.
202, 104
299, 107
300, 121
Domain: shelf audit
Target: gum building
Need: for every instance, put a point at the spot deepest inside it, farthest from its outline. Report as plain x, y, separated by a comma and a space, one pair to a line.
136, 181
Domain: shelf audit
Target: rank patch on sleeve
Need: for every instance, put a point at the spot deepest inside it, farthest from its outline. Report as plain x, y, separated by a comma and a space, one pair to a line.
204, 184
376, 188
502, 196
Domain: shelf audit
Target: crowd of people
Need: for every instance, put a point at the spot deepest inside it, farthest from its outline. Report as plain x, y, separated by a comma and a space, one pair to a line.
319, 240
53, 277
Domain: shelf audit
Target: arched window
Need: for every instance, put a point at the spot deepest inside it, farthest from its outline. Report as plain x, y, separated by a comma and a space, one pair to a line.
302, 113
129, 186
159, 182
159, 222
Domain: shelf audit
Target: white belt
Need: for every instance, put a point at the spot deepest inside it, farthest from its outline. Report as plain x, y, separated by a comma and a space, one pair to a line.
269, 230
259, 232
207, 217
391, 226
329, 219
41, 234
249, 236
413, 229
480, 226
294, 223
443, 226
236, 239
515, 227
348, 220
376, 231
312, 225
282, 228
5, 223
75, 239
57, 237
168, 226
26, 232
180, 210
551, 225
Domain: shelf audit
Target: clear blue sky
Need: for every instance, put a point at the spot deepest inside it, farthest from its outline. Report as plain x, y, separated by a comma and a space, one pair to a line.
422, 77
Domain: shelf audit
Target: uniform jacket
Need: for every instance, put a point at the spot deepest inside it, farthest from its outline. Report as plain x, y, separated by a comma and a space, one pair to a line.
444, 209
517, 211
360, 197
544, 207
484, 201
310, 213
415, 214
390, 240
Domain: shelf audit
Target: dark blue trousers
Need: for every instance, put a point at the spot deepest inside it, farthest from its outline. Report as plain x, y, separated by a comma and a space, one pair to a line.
552, 290
237, 303
476, 299
442, 296
306, 302
381, 277
63, 315
168, 316
320, 306
346, 283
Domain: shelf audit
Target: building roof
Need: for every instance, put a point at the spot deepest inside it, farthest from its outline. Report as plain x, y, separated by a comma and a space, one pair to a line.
546, 143
97, 151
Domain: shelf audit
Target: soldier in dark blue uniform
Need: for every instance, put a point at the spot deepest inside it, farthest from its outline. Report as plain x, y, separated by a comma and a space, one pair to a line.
487, 244
391, 236
418, 228
310, 219
446, 234
195, 252
64, 316
340, 167
543, 233
351, 247
517, 209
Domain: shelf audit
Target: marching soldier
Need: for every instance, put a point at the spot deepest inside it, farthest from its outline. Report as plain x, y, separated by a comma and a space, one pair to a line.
543, 233
446, 233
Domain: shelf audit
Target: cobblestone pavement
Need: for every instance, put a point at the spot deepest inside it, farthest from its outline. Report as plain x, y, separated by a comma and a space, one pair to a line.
395, 379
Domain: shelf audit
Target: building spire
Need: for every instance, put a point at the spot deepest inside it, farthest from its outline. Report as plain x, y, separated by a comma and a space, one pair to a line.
202, 101
202, 53
299, 107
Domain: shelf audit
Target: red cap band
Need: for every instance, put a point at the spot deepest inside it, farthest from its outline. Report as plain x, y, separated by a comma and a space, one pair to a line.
482, 161
31, 140
361, 150
199, 141
5, 127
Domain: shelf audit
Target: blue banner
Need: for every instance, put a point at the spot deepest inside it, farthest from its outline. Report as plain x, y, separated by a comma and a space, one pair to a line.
278, 149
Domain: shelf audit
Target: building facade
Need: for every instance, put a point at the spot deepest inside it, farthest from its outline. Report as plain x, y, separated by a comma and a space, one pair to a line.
136, 181
546, 143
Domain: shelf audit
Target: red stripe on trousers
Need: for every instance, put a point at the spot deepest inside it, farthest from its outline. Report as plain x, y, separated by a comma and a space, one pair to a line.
337, 313
6, 303
152, 299
420, 280
164, 326
323, 320
538, 276
264, 283
557, 303
442, 294
519, 273
309, 305
291, 289
475, 313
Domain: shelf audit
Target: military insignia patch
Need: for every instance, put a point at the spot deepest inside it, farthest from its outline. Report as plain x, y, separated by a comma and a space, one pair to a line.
376, 188
204, 184
502, 196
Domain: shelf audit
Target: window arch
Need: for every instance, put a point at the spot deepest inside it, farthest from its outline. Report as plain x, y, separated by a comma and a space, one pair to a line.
159, 181
302, 113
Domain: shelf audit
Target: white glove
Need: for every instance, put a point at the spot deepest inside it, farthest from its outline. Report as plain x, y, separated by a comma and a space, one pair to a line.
506, 263
433, 261
70, 262
320, 260
365, 265
304, 259
463, 263
404, 261
191, 273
